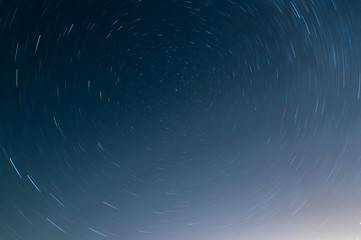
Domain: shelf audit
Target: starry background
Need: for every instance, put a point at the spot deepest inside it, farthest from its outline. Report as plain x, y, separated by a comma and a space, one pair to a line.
180, 119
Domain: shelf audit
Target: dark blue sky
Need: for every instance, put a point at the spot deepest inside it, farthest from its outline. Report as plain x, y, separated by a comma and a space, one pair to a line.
180, 120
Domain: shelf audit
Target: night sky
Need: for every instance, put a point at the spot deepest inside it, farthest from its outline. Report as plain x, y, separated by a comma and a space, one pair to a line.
180, 119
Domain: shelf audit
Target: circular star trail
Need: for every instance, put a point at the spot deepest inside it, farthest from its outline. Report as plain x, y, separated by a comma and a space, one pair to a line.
182, 120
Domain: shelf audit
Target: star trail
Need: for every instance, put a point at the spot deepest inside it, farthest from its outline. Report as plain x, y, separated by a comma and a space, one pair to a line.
180, 119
